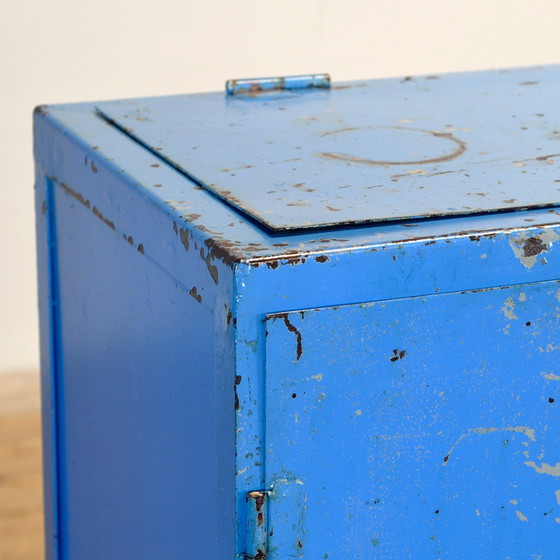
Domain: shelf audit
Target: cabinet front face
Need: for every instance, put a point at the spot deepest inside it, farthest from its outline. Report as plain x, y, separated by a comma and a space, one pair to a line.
420, 428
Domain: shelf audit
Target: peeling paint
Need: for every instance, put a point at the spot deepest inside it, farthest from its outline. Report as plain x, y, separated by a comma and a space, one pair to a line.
525, 430
520, 516
508, 309
545, 468
527, 247
551, 376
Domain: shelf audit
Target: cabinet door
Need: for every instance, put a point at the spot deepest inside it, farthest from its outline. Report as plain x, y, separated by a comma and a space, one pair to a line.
422, 428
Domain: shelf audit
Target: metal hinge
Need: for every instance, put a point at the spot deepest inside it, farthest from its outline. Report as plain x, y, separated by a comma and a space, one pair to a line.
261, 85
275, 520
257, 525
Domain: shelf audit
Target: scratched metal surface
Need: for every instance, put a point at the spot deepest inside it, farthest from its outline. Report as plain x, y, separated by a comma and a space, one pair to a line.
364, 152
416, 428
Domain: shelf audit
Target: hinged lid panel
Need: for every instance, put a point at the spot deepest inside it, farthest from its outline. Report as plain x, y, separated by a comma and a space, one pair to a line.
365, 152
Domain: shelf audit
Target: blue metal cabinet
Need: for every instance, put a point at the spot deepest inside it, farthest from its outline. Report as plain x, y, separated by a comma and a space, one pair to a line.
303, 322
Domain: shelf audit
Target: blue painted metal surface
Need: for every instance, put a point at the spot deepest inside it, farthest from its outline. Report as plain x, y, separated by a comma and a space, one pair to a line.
363, 152
360, 377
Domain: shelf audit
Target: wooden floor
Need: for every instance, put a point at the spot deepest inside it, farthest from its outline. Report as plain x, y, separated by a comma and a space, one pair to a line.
21, 520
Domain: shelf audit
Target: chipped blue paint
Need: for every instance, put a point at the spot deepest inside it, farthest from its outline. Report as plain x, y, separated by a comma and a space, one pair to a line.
166, 297
429, 413
363, 152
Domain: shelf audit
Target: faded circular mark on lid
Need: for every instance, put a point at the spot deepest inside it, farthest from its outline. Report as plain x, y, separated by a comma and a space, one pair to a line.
390, 145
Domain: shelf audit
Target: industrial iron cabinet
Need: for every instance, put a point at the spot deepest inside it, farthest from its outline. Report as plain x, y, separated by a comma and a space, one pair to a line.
302, 322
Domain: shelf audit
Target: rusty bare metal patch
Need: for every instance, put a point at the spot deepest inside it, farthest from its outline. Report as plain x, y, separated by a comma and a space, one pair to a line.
194, 293
184, 234
293, 329
41, 110
237, 382
213, 270
534, 246
76, 195
460, 149
398, 355
527, 247
97, 213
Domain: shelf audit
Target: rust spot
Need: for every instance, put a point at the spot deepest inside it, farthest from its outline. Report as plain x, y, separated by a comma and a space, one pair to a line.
260, 555
192, 217
292, 329
154, 165
237, 382
93, 167
129, 239
41, 110
213, 270
259, 500
398, 355
228, 317
272, 264
157, 186
223, 250
533, 246
528, 83
175, 228
194, 293
322, 258
99, 215
141, 248
76, 195
44, 207
184, 238
260, 519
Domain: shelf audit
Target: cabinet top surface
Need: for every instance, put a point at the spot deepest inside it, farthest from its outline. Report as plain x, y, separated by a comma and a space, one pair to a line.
364, 152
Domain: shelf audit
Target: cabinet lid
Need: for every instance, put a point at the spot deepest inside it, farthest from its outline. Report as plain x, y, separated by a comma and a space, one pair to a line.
375, 151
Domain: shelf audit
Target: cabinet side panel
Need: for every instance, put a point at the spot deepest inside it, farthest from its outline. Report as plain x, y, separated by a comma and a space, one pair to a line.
46, 265
138, 386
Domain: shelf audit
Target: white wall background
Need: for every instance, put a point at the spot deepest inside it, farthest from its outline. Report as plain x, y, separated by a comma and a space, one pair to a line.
72, 50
